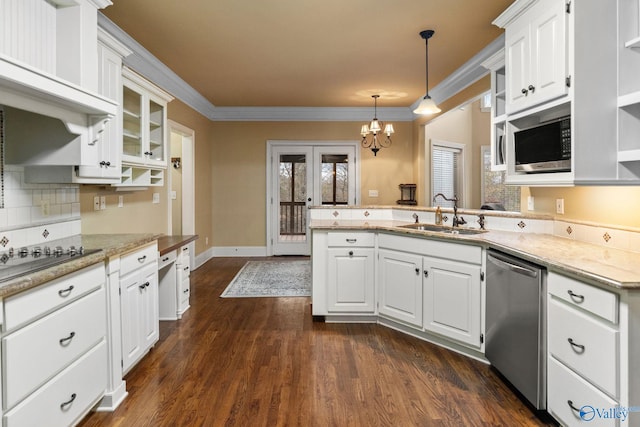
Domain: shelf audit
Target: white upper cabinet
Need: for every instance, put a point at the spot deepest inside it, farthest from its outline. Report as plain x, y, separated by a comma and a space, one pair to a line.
144, 112
536, 55
562, 60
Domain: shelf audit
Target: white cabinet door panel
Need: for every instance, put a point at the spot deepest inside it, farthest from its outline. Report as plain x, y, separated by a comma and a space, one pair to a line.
400, 278
351, 280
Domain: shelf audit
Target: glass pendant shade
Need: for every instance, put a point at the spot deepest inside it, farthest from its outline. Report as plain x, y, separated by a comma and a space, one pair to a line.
364, 130
427, 106
388, 129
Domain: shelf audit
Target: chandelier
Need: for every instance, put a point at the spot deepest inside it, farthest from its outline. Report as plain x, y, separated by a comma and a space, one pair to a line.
371, 137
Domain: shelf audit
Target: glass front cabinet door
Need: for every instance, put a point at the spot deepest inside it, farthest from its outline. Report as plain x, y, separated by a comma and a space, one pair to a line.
144, 111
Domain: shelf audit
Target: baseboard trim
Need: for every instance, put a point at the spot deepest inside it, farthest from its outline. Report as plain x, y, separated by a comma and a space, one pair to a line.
239, 251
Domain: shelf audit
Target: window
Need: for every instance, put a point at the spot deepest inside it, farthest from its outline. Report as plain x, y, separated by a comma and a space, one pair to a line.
447, 171
335, 179
495, 193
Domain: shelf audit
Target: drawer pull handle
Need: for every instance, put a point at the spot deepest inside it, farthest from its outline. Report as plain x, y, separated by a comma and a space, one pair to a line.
144, 285
572, 406
575, 297
64, 405
165, 259
65, 341
578, 346
186, 291
65, 292
142, 258
185, 249
352, 240
186, 269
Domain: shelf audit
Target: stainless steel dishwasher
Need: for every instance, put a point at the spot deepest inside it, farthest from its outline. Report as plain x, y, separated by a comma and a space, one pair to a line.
515, 328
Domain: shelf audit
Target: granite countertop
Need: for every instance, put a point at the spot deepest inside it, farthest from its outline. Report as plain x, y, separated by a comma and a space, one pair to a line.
109, 244
610, 267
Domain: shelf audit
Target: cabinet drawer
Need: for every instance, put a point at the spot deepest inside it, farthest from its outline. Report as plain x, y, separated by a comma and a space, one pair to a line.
185, 290
348, 239
435, 248
86, 379
166, 259
565, 386
590, 298
594, 352
29, 305
184, 255
183, 271
38, 351
137, 259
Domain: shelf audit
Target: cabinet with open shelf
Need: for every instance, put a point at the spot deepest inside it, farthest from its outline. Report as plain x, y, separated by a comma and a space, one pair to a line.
628, 89
498, 109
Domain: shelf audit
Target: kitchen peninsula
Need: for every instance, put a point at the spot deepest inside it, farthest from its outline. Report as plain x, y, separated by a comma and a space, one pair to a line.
371, 264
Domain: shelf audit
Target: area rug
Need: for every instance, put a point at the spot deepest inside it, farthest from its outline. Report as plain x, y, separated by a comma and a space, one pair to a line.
271, 279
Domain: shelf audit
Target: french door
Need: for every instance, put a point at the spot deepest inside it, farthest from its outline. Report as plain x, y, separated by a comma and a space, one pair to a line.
303, 175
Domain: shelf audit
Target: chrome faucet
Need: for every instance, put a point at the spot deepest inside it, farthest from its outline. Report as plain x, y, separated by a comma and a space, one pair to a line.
456, 221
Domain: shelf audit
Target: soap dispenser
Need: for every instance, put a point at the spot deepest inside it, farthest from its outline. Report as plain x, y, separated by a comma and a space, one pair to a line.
438, 216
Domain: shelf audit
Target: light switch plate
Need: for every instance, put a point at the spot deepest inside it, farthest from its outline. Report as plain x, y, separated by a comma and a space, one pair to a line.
103, 202
156, 197
530, 203
96, 203
560, 206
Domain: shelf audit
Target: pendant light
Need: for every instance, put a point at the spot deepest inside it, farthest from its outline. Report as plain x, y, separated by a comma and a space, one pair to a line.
427, 106
370, 132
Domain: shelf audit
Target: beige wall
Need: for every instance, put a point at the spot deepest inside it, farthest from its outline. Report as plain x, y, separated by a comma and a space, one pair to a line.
604, 205
238, 162
176, 185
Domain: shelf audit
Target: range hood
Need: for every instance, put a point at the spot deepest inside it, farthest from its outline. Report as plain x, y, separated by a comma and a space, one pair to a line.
82, 112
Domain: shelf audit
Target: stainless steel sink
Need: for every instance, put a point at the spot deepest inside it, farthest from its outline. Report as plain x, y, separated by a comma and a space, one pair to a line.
443, 229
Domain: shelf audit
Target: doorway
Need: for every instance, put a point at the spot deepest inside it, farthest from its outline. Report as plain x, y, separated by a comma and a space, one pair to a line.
181, 181
301, 175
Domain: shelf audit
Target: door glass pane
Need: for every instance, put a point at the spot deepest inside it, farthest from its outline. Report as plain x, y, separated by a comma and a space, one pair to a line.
335, 179
131, 120
156, 131
293, 193
497, 195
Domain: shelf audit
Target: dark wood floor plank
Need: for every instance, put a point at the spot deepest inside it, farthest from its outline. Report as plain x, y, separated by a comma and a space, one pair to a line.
265, 362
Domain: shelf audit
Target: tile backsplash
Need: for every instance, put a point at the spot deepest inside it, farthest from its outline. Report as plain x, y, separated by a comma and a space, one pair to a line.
36, 213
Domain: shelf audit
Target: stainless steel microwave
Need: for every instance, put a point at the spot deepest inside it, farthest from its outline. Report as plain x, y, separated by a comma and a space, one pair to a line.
544, 148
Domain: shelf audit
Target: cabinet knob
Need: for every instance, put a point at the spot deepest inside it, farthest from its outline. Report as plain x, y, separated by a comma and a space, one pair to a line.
417, 271
426, 273
103, 163
350, 253
532, 88
525, 92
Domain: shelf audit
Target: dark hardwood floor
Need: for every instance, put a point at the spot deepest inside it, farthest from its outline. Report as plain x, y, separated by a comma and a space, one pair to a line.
265, 362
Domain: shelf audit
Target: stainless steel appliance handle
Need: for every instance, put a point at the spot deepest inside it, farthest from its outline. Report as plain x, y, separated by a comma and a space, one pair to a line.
515, 268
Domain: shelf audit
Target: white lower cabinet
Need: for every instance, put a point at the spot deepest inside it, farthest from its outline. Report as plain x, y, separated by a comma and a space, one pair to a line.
400, 278
452, 300
54, 351
174, 285
139, 304
350, 273
593, 360
421, 285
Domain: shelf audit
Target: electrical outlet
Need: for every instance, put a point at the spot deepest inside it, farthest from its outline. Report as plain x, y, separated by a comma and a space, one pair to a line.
103, 203
44, 207
120, 201
530, 203
96, 203
373, 193
206, 240
560, 206
156, 197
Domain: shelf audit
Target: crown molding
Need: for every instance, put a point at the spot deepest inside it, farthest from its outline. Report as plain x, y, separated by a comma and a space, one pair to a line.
310, 114
513, 12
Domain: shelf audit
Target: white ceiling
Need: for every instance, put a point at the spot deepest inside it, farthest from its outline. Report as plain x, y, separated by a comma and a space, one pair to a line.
309, 53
